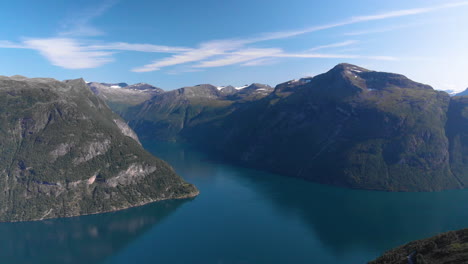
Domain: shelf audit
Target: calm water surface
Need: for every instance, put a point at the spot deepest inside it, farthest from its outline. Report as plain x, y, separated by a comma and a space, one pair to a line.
241, 216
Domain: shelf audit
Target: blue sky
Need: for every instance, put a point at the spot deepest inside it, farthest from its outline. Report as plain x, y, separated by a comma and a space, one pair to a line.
172, 44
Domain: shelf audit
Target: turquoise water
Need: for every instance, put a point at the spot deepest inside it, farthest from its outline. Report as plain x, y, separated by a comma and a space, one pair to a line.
241, 216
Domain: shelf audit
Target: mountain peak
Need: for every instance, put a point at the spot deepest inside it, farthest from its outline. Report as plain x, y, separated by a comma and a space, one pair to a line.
349, 67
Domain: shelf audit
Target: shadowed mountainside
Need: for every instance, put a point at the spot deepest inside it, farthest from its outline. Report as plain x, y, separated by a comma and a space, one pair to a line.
446, 248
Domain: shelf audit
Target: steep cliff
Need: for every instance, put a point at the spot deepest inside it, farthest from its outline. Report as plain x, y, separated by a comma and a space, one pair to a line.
65, 153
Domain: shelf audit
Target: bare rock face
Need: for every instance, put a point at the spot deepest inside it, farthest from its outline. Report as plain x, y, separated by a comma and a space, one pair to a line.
65, 153
126, 130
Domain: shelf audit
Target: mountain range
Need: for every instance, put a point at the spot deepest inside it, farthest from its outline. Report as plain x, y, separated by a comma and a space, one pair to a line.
120, 96
349, 127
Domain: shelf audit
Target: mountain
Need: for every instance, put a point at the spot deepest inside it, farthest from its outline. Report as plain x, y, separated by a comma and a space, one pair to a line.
450, 247
121, 96
457, 132
462, 93
251, 92
65, 153
167, 115
349, 127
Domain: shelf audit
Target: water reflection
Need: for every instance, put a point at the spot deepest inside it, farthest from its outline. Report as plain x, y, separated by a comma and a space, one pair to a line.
87, 239
344, 220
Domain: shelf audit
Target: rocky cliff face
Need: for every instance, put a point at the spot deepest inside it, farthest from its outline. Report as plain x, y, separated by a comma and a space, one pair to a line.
65, 153
451, 247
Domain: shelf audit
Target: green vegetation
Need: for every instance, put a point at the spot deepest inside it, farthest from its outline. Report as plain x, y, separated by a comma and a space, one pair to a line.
450, 247
65, 154
349, 127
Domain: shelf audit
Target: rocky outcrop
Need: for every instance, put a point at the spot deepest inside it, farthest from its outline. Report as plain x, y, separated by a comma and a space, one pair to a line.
65, 153
126, 130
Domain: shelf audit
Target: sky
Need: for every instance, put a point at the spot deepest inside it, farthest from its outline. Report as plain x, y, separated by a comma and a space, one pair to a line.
171, 44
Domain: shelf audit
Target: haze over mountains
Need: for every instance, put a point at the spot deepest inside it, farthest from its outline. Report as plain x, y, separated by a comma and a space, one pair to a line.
462, 93
349, 127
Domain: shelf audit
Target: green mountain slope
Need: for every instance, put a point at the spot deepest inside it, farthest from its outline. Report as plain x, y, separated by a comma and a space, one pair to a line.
349, 127
450, 247
121, 96
167, 115
65, 153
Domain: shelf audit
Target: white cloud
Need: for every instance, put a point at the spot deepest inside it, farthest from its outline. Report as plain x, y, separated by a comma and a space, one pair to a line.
206, 50
68, 53
355, 20
139, 47
335, 45
223, 47
73, 53
260, 62
239, 57
380, 30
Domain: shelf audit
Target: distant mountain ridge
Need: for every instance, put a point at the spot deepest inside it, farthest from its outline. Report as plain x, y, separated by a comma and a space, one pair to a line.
167, 114
120, 96
462, 93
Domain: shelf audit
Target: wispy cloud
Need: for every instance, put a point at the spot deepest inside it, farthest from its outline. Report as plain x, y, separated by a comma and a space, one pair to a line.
260, 62
357, 19
79, 24
139, 47
201, 54
206, 50
335, 45
381, 30
239, 56
68, 53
